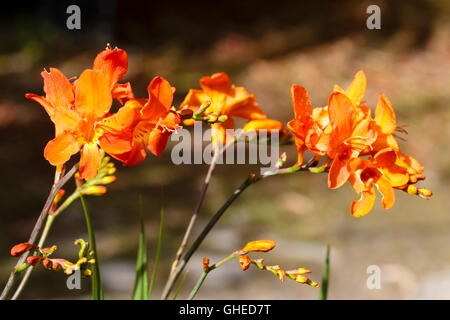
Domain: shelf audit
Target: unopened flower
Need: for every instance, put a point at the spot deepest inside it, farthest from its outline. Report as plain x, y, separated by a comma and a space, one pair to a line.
21, 248
244, 262
259, 245
95, 190
34, 260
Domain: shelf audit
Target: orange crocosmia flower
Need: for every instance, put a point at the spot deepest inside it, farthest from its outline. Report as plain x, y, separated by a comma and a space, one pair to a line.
347, 139
306, 128
139, 124
75, 108
225, 99
382, 170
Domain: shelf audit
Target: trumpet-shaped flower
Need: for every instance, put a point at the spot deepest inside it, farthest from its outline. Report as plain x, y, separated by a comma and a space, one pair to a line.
224, 99
141, 124
76, 108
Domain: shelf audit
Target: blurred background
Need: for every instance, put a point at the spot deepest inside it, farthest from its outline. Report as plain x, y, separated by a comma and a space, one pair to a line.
266, 47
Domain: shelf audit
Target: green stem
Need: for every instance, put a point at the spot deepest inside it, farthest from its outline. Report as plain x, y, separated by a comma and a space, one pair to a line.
170, 283
208, 270
97, 290
14, 277
252, 179
198, 285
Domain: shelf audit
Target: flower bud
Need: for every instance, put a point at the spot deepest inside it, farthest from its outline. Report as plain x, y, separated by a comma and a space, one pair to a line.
33, 260
59, 196
425, 192
47, 263
95, 190
21, 248
244, 262
259, 245
205, 264
87, 273
412, 189
108, 180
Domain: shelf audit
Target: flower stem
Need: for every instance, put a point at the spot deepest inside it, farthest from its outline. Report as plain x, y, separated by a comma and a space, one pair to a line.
251, 179
170, 283
37, 227
208, 270
97, 290
23, 282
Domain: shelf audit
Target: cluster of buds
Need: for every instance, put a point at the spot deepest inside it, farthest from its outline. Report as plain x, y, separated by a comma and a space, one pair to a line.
96, 186
245, 261
413, 190
42, 256
202, 114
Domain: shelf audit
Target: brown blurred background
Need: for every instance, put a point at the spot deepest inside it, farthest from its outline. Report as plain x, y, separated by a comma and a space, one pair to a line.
265, 46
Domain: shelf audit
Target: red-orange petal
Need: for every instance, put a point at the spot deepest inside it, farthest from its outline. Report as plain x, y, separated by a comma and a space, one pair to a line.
300, 101
90, 161
339, 173
113, 63
364, 204
385, 115
217, 82
92, 95
58, 90
59, 150
341, 113
160, 95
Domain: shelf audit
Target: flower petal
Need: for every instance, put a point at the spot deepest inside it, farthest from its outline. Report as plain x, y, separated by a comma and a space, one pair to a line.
300, 101
339, 173
386, 190
113, 63
59, 150
160, 98
58, 90
356, 89
364, 204
90, 161
385, 115
92, 95
341, 115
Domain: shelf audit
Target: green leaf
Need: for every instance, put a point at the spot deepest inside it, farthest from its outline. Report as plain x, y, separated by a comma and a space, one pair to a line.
179, 287
97, 288
140, 291
158, 249
325, 277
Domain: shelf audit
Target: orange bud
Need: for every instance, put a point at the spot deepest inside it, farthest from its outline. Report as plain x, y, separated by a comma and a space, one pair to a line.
47, 263
412, 189
59, 196
20, 248
259, 245
244, 262
95, 190
412, 179
301, 278
33, 260
425, 192
205, 264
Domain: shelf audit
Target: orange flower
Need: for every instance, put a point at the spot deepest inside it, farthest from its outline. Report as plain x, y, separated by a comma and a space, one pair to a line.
225, 99
259, 245
306, 128
348, 137
140, 123
76, 108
